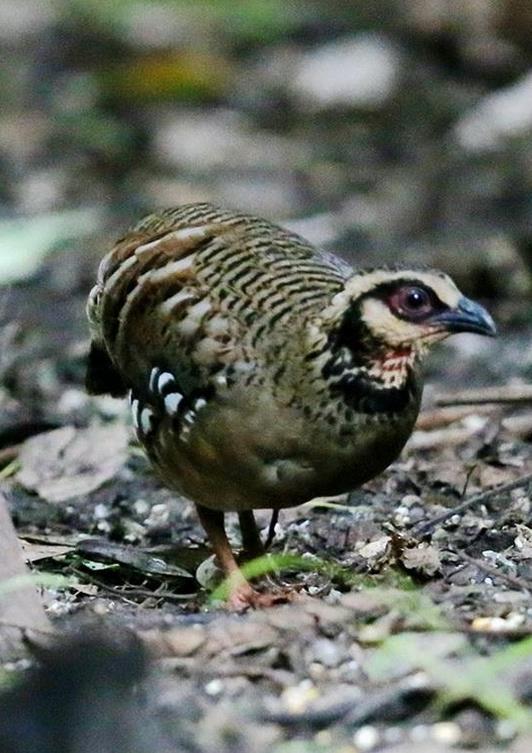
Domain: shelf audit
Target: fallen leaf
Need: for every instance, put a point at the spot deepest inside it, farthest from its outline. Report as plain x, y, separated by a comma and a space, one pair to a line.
70, 462
376, 549
102, 550
423, 559
36, 552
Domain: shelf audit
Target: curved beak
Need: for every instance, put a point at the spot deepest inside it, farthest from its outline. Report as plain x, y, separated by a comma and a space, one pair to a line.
468, 316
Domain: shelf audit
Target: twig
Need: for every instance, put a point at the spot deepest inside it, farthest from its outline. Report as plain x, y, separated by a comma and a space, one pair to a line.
271, 529
25, 629
9, 454
422, 529
142, 593
439, 418
510, 393
511, 580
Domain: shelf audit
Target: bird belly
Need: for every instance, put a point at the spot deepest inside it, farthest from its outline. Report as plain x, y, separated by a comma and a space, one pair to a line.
255, 454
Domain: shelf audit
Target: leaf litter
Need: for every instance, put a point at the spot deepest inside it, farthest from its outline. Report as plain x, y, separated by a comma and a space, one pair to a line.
425, 572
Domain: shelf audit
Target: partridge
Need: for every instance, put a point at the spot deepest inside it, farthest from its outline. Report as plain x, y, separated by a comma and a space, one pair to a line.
262, 372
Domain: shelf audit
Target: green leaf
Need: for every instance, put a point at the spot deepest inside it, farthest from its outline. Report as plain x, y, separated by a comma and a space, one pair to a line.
25, 242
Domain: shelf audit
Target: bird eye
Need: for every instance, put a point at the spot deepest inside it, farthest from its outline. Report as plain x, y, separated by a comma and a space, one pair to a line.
415, 299
411, 302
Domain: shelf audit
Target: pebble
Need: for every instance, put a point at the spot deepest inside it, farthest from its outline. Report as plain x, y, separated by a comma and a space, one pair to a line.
201, 141
448, 733
158, 516
326, 653
101, 512
297, 698
366, 738
497, 118
214, 687
357, 71
141, 507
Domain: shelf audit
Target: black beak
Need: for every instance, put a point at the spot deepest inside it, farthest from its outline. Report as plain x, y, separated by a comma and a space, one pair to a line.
468, 316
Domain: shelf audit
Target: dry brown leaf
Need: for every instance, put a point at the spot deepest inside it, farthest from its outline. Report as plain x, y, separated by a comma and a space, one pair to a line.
34, 552
424, 559
376, 549
179, 641
70, 462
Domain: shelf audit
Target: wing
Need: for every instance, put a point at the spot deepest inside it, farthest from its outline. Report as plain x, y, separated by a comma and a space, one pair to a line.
190, 291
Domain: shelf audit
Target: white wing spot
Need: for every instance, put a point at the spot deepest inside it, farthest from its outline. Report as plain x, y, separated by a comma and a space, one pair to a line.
146, 418
154, 376
135, 411
221, 381
172, 402
200, 403
189, 417
164, 380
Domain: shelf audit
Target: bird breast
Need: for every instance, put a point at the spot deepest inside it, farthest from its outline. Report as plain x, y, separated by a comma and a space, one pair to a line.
243, 450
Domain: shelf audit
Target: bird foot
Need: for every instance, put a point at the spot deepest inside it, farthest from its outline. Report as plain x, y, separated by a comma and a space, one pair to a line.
244, 597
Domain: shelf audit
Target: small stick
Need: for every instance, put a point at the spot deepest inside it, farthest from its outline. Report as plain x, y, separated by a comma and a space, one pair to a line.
510, 393
510, 580
271, 529
439, 418
426, 527
129, 593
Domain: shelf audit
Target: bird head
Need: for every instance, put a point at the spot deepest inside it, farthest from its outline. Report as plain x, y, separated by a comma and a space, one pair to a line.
413, 308
385, 319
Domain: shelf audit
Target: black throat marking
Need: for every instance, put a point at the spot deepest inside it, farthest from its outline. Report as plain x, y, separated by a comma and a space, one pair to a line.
349, 371
363, 394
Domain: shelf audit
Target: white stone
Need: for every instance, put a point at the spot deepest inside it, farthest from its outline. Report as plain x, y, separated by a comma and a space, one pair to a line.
357, 71
498, 117
366, 738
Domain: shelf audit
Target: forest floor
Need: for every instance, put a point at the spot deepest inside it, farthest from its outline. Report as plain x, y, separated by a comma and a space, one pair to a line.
406, 631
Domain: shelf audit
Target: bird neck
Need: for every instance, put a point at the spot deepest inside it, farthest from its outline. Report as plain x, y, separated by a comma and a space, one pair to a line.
368, 375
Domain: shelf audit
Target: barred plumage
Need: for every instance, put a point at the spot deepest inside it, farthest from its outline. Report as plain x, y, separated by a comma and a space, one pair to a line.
262, 373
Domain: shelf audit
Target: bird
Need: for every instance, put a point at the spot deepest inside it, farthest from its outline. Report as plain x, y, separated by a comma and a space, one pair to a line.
262, 372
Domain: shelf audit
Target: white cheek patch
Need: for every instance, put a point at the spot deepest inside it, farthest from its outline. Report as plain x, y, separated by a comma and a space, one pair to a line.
382, 323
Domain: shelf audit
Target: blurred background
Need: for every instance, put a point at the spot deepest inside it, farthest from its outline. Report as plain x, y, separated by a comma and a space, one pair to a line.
387, 130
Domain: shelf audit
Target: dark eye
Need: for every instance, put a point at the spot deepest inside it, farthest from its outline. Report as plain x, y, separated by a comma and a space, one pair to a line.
411, 302
415, 299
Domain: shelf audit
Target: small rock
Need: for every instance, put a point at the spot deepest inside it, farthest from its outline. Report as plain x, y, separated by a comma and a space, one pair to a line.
201, 141
326, 652
366, 738
498, 117
297, 698
360, 71
448, 733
